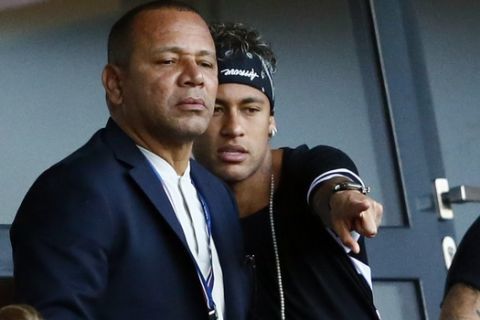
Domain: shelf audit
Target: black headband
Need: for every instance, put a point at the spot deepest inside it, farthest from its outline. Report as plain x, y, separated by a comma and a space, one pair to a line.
245, 68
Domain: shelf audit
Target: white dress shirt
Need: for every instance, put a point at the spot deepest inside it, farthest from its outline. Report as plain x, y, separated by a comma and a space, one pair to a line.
185, 201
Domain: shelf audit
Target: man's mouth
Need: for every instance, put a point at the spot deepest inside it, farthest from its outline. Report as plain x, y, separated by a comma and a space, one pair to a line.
192, 104
234, 154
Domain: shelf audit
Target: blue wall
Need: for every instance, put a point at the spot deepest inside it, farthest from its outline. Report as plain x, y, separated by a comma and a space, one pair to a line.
52, 100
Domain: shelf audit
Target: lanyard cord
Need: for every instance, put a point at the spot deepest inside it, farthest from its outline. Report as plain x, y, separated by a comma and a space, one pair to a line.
208, 282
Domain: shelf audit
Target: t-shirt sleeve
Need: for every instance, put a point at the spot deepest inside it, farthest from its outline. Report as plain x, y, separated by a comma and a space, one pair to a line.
311, 167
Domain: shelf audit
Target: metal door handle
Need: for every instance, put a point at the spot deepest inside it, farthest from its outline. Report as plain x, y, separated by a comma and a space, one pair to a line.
462, 194
444, 197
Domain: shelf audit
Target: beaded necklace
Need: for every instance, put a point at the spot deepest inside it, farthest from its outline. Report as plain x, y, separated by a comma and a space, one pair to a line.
275, 249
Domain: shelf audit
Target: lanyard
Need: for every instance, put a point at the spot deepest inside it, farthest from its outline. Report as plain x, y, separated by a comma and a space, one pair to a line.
208, 282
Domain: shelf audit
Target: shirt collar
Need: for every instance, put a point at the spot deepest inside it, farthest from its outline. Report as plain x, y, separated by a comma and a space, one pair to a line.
164, 169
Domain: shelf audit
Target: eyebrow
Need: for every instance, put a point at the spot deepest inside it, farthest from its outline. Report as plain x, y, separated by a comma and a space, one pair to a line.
179, 50
246, 100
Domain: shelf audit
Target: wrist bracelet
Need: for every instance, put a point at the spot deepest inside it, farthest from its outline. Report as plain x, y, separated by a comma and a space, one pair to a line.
342, 186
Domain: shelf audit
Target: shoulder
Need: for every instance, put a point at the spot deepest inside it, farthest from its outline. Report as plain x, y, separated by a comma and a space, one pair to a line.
200, 171
320, 158
323, 152
466, 264
80, 180
205, 178
217, 194
92, 163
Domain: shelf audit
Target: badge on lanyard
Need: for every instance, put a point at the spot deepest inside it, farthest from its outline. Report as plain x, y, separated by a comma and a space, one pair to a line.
212, 314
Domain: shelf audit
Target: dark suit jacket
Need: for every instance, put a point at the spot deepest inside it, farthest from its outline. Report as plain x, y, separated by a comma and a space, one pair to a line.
97, 238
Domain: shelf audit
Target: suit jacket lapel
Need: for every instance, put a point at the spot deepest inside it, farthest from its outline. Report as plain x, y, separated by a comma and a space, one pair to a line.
146, 179
221, 227
212, 200
226, 234
144, 176
226, 242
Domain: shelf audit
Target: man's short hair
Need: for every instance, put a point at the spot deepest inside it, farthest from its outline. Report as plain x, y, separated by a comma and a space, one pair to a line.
120, 40
242, 39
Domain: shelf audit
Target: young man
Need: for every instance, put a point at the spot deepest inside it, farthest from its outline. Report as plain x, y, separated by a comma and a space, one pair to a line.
286, 197
127, 227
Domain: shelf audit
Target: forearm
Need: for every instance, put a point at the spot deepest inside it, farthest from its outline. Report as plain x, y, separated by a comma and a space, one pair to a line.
461, 303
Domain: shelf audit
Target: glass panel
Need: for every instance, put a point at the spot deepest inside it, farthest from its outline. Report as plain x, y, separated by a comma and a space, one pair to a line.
398, 300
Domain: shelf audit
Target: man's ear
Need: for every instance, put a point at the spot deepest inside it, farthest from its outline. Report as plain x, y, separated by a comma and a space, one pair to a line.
112, 82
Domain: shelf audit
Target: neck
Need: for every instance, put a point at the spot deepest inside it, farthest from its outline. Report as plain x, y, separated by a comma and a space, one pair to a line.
253, 193
178, 158
176, 153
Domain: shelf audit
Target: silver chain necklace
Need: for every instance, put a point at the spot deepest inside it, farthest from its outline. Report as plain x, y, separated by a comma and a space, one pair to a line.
275, 249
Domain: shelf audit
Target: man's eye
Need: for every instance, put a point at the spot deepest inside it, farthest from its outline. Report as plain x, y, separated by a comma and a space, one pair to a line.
166, 61
206, 64
217, 109
252, 110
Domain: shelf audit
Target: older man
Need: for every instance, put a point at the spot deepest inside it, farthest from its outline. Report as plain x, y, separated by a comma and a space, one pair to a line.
128, 227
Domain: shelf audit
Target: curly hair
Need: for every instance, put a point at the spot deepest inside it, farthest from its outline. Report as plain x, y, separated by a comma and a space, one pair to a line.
240, 38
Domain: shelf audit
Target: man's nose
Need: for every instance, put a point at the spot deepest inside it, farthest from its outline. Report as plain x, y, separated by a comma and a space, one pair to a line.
191, 74
232, 126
